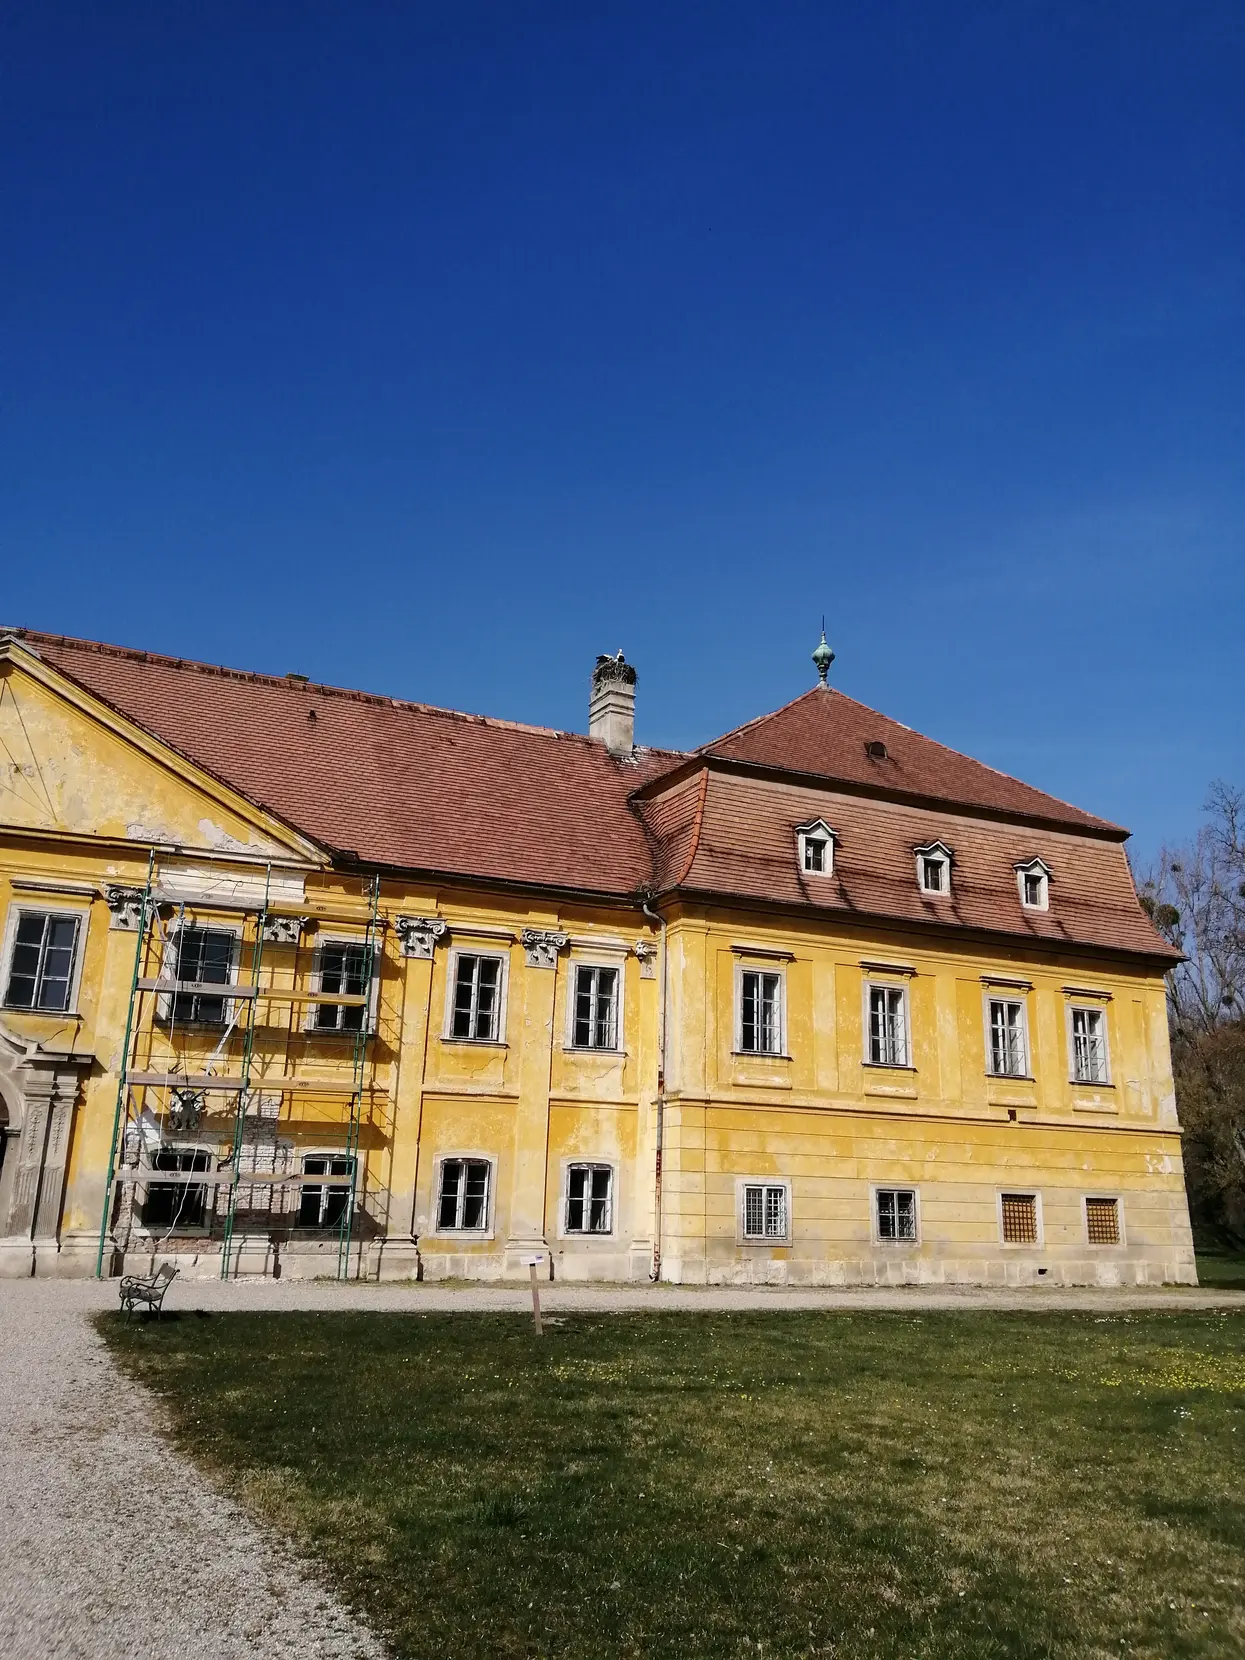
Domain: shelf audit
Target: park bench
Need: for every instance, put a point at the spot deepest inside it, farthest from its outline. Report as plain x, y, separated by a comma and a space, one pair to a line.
149, 1291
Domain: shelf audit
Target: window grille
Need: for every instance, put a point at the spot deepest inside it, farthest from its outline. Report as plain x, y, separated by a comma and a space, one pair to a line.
463, 1202
596, 1008
1102, 1221
760, 1025
1008, 1056
343, 972
41, 971
477, 998
1089, 1046
888, 1026
324, 1207
765, 1211
1020, 1219
896, 1213
589, 1198
177, 1205
205, 957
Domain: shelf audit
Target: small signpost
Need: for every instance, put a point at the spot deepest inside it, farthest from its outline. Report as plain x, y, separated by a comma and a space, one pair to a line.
532, 1267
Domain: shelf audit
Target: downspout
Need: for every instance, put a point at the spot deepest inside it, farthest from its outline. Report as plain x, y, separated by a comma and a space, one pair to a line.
661, 1090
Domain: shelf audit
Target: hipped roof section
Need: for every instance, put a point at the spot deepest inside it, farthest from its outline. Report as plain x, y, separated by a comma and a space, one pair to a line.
407, 786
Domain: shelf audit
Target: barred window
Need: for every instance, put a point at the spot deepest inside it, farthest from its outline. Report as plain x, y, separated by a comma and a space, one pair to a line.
343, 973
1020, 1219
896, 1213
41, 968
589, 1198
760, 1014
1089, 1046
1102, 1221
888, 1026
765, 1210
596, 1008
477, 998
463, 1202
1008, 1049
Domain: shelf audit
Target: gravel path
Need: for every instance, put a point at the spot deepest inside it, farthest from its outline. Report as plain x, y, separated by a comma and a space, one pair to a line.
113, 1545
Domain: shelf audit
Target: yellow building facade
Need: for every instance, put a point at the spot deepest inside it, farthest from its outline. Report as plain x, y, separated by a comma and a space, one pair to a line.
300, 981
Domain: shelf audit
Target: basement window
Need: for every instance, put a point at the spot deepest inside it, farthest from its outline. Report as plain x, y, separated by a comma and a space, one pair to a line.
896, 1214
462, 1206
765, 1211
42, 961
324, 1207
589, 1198
595, 1020
1102, 1221
1019, 1218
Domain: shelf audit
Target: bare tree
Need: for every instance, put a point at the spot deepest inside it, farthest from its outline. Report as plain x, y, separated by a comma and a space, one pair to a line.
1196, 898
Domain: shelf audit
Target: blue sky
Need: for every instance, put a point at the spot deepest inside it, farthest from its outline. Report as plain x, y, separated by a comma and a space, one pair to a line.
435, 348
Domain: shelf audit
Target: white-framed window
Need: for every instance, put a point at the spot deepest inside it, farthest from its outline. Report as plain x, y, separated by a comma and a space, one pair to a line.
933, 868
1104, 1221
464, 1192
596, 994
341, 970
765, 1212
815, 843
1087, 1044
205, 956
1033, 882
589, 1207
1020, 1218
886, 1029
761, 1024
43, 960
324, 1207
1007, 1037
896, 1217
476, 1001
177, 1207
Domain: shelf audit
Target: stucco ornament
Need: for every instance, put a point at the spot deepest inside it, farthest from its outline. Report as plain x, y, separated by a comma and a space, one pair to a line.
419, 934
284, 930
542, 945
125, 907
646, 951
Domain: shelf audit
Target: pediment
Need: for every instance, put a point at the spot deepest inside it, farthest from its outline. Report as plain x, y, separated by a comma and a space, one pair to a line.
70, 765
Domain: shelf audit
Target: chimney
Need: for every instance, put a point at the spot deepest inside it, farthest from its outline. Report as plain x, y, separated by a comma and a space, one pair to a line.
611, 705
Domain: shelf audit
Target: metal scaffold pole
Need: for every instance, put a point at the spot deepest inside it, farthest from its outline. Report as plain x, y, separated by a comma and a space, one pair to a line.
248, 1050
139, 948
361, 1044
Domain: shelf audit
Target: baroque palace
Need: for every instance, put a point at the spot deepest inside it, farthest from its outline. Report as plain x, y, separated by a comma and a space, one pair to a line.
300, 980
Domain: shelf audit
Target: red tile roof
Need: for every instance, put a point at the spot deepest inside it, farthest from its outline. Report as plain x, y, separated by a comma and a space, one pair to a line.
408, 786
825, 734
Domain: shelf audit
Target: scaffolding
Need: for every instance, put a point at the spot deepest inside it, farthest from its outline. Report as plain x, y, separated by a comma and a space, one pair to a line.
197, 1135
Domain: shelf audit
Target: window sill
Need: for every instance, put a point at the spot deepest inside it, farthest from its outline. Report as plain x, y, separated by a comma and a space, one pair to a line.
894, 1244
476, 1043
463, 1235
889, 1066
760, 1055
783, 1244
592, 1049
1010, 1078
42, 1014
1091, 1083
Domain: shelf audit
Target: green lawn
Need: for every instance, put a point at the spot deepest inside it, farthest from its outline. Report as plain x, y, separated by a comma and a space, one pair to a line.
1221, 1268
891, 1486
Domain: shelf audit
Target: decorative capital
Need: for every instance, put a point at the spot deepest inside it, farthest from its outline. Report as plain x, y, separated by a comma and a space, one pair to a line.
542, 946
419, 934
284, 930
646, 951
125, 906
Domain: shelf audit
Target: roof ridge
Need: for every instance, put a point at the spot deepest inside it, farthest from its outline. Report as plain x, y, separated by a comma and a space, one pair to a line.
283, 682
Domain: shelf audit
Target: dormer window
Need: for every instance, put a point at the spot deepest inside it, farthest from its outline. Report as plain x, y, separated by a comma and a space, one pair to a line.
816, 847
1033, 880
933, 868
